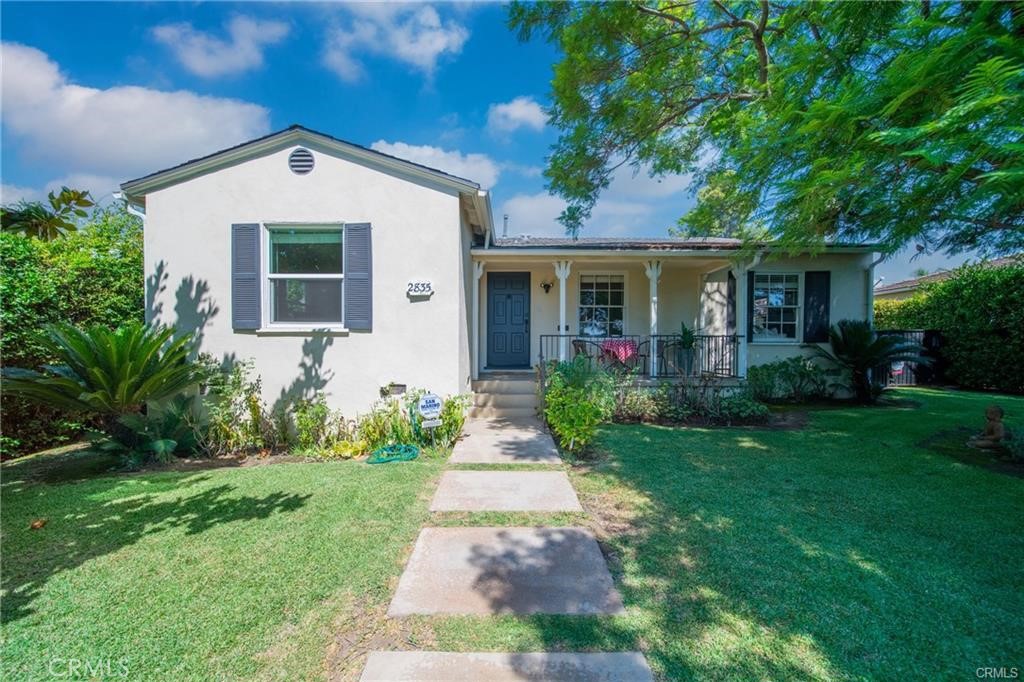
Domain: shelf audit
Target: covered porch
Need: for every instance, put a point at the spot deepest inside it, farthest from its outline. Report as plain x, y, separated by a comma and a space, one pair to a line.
622, 310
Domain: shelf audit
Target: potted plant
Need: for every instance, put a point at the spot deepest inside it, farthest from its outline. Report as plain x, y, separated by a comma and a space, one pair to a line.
684, 349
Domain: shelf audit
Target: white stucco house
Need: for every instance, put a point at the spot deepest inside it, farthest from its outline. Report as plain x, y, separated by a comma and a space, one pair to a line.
342, 270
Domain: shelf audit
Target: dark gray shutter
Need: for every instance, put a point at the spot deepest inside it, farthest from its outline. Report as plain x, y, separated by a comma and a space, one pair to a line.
358, 277
245, 276
730, 304
817, 291
750, 306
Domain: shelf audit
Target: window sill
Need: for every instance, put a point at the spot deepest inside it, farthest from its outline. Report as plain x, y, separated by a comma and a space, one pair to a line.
301, 330
787, 342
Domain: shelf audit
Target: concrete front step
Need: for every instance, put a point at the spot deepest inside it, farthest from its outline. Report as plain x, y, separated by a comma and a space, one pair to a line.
435, 666
528, 384
502, 400
506, 570
501, 412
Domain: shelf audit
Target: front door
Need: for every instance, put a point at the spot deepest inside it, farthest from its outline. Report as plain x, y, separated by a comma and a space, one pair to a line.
508, 319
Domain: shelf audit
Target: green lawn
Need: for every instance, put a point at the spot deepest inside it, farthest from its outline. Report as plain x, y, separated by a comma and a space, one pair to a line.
841, 551
224, 574
845, 550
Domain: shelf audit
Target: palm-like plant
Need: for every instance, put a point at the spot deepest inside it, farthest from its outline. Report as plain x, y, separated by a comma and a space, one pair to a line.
36, 219
858, 350
108, 372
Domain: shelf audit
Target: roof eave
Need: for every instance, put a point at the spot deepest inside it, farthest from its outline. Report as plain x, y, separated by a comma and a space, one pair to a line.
138, 188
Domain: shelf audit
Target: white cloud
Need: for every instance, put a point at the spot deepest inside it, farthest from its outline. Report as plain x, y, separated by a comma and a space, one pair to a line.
521, 112
413, 34
122, 131
476, 167
207, 55
12, 194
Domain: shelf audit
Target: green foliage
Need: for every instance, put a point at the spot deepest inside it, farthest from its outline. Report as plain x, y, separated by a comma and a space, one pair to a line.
796, 379
857, 350
741, 408
881, 122
92, 276
158, 435
907, 313
324, 433
578, 397
638, 404
106, 372
49, 220
237, 421
396, 421
978, 310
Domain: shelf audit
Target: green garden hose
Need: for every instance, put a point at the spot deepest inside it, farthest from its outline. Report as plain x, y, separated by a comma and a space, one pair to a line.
393, 453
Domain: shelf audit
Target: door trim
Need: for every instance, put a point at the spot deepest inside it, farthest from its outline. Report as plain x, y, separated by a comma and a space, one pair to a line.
487, 322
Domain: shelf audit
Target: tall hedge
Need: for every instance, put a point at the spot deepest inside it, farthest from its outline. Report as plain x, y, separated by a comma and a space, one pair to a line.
93, 276
980, 312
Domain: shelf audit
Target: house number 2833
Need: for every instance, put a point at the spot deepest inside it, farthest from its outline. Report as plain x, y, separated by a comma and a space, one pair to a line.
420, 288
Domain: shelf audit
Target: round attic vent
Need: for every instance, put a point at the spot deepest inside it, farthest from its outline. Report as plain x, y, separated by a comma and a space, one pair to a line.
301, 161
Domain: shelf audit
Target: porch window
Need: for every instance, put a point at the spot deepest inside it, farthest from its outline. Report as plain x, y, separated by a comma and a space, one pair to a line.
776, 307
602, 310
306, 275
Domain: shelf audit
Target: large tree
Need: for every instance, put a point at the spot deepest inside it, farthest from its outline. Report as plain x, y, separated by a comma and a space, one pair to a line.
852, 121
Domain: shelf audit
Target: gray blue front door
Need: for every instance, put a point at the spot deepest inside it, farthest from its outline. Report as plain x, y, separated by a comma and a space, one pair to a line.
508, 319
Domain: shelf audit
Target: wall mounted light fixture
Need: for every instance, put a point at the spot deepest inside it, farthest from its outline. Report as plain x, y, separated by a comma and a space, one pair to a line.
546, 285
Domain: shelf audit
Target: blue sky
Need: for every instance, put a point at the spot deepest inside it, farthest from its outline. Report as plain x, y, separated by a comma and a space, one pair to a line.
97, 93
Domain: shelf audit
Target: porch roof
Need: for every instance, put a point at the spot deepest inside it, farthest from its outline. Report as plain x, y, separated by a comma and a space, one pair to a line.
641, 246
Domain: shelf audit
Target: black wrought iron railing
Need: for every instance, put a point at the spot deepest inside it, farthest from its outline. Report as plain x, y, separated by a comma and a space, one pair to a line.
658, 355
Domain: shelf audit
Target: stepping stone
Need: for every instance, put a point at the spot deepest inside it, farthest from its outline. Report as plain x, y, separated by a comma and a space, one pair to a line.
505, 491
506, 570
505, 441
421, 666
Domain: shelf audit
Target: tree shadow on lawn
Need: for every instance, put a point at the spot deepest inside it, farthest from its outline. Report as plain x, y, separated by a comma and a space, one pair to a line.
798, 555
79, 528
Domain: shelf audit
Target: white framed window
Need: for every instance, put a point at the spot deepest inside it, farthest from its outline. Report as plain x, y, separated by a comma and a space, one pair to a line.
305, 275
777, 307
602, 304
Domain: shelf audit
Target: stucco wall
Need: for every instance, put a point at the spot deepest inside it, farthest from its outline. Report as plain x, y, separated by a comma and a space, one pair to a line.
416, 235
848, 299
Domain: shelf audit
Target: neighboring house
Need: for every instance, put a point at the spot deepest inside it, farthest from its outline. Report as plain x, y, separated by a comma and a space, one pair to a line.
342, 270
898, 291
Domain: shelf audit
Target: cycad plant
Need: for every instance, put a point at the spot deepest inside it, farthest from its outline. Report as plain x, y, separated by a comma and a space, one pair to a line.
110, 373
858, 350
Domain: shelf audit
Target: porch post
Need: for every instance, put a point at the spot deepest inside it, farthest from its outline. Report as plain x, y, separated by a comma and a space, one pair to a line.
653, 270
742, 315
562, 268
478, 272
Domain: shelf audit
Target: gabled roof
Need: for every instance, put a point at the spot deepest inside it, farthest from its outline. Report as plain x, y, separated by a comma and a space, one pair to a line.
294, 134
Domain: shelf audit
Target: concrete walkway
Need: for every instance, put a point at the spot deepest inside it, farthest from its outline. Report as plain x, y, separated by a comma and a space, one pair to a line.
547, 491
505, 441
485, 571
505, 570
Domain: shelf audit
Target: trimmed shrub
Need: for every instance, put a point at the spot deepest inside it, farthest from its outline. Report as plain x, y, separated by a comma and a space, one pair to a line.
979, 312
797, 379
577, 398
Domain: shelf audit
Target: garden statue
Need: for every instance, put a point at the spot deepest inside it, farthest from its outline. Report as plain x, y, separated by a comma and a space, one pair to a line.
994, 433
